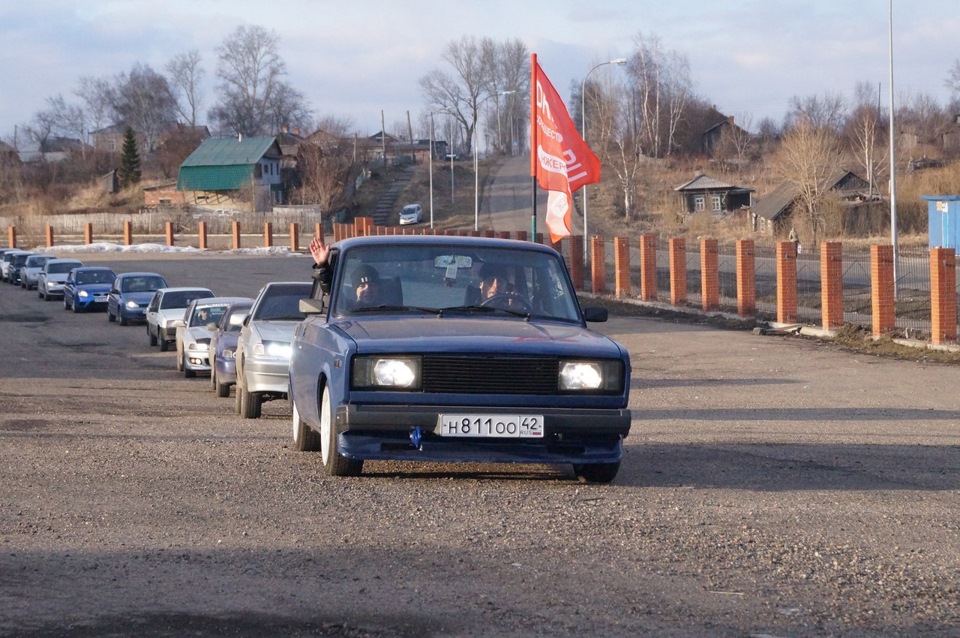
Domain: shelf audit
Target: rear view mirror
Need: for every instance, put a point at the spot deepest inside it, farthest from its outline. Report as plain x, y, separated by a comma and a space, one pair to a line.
311, 306
595, 314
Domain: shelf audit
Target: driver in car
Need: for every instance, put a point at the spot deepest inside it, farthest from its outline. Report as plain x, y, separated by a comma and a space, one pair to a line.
496, 291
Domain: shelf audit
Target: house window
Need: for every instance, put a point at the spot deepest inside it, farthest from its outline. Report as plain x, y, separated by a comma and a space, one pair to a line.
715, 202
698, 203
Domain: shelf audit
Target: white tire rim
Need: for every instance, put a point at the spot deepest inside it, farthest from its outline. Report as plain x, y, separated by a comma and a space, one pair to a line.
325, 427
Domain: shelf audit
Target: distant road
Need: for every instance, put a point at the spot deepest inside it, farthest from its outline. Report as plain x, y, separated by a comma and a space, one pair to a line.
506, 200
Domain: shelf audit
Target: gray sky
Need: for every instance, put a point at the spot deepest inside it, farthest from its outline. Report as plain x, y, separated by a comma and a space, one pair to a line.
356, 59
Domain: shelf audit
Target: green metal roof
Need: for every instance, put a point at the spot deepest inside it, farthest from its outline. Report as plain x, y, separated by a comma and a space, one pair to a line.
224, 163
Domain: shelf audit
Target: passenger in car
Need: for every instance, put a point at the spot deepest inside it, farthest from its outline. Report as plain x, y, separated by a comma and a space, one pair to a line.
365, 279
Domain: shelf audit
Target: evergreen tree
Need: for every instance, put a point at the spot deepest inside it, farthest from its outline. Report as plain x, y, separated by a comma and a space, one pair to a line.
129, 172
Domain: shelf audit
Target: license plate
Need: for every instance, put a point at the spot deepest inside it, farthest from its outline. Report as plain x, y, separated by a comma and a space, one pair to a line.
517, 426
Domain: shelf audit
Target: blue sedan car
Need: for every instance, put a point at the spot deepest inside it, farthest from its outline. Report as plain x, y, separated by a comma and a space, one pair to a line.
86, 288
130, 295
223, 346
469, 349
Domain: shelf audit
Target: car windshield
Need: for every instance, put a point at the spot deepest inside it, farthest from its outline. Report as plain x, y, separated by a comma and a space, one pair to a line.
182, 298
61, 267
281, 302
37, 261
451, 280
142, 284
204, 315
95, 277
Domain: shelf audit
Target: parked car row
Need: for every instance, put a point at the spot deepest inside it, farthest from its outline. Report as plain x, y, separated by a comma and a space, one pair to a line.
418, 348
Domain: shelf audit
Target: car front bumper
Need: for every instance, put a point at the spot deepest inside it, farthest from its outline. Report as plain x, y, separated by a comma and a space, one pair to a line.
266, 376
226, 371
401, 432
197, 360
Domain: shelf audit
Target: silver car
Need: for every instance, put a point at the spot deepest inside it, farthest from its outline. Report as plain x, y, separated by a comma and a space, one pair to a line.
51, 278
263, 347
195, 331
31, 270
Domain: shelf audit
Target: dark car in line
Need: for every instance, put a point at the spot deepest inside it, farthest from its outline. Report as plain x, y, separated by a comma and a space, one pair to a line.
472, 349
130, 294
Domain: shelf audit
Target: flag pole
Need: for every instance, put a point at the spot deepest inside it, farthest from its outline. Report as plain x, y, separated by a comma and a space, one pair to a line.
533, 146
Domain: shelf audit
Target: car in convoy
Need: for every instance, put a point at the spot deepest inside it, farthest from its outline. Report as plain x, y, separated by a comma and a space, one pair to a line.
6, 259
16, 264
31, 269
263, 345
195, 330
51, 278
411, 214
223, 345
87, 288
433, 370
130, 295
165, 309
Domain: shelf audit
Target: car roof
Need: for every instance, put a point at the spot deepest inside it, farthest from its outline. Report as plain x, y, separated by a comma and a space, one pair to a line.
184, 289
219, 301
441, 240
141, 274
61, 260
88, 268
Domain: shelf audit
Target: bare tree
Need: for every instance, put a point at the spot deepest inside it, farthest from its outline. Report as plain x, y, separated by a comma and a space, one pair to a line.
185, 76
808, 156
69, 120
288, 109
953, 78
828, 110
95, 95
736, 141
661, 90
143, 101
866, 132
324, 165
250, 71
613, 136
462, 93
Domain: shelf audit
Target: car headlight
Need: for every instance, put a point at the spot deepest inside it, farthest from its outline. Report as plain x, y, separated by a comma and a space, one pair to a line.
198, 345
279, 349
227, 353
83, 293
384, 371
132, 305
586, 376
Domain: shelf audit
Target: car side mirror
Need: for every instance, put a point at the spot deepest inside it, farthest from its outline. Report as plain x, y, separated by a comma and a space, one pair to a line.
311, 306
595, 314
179, 323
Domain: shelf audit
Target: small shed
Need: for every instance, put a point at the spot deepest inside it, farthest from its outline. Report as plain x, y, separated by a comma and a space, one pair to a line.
943, 221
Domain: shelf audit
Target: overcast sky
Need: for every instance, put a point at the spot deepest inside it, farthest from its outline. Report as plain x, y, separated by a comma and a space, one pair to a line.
355, 58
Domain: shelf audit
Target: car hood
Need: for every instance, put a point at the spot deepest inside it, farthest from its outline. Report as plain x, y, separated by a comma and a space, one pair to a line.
477, 334
58, 277
141, 298
197, 333
275, 330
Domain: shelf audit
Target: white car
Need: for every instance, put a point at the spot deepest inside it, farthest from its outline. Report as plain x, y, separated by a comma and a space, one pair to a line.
168, 306
31, 270
195, 330
51, 278
411, 214
262, 356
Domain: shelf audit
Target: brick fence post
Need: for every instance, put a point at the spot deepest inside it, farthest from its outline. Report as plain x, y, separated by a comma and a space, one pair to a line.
746, 278
267, 234
202, 235
621, 267
168, 232
48, 233
128, 233
235, 231
648, 267
786, 282
709, 274
831, 284
576, 261
88, 233
294, 237
943, 295
598, 265
882, 290
12, 236
678, 271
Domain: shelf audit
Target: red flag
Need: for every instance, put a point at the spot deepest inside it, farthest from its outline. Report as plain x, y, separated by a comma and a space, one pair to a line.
559, 158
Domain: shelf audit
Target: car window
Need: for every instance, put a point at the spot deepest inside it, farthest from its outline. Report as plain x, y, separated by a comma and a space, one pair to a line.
281, 302
61, 267
419, 277
182, 298
146, 283
204, 315
95, 277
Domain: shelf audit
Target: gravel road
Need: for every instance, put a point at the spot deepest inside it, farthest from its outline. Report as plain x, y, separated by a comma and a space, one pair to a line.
771, 486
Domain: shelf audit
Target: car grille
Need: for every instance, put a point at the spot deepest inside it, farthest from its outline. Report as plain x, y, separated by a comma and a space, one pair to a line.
490, 375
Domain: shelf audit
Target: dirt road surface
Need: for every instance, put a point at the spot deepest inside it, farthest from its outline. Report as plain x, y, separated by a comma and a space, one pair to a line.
770, 487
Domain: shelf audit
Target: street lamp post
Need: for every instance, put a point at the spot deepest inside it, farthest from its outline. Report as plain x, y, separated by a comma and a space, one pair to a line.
583, 129
430, 155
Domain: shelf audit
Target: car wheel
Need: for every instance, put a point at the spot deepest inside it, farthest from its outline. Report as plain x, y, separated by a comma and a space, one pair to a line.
596, 472
249, 403
163, 343
213, 374
151, 337
181, 367
334, 464
122, 320
223, 389
305, 439
110, 317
